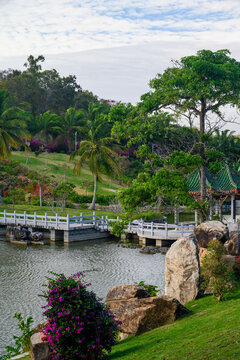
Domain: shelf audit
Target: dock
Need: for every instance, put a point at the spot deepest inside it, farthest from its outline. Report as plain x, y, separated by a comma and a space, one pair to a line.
87, 227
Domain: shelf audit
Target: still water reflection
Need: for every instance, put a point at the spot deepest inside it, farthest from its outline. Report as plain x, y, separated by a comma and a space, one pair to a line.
23, 270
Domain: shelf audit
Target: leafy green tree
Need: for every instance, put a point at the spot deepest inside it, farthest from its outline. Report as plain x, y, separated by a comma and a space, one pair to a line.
12, 124
73, 121
217, 276
202, 84
47, 125
99, 157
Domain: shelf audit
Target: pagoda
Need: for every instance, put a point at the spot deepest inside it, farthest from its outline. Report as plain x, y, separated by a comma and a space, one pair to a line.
224, 186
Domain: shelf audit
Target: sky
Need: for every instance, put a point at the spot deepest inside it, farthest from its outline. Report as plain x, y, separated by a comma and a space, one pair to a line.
115, 47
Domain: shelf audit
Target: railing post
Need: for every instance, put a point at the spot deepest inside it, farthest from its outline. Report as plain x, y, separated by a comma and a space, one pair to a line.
35, 218
46, 222
56, 220
129, 226
94, 218
5, 216
117, 218
107, 222
166, 229
102, 222
181, 229
14, 217
152, 232
142, 229
68, 222
81, 219
25, 218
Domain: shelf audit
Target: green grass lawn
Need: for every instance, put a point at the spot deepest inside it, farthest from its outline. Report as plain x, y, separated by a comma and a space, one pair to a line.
20, 208
60, 168
210, 331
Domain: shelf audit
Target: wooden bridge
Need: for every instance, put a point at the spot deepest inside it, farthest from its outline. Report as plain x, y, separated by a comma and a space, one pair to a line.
85, 227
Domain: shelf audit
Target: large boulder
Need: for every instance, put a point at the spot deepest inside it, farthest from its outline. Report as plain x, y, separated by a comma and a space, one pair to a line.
39, 348
210, 230
182, 270
233, 228
138, 315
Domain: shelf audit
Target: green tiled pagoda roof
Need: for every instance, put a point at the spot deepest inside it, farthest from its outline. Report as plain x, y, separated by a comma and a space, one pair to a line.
226, 180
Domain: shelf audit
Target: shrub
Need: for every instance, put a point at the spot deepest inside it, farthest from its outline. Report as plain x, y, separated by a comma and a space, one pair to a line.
236, 269
79, 324
217, 276
150, 289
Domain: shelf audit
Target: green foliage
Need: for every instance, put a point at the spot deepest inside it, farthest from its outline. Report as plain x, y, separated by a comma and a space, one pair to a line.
118, 227
217, 276
236, 269
22, 342
150, 289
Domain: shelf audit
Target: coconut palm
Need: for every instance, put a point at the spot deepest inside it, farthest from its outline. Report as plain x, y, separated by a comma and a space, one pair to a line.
12, 125
99, 158
46, 125
73, 121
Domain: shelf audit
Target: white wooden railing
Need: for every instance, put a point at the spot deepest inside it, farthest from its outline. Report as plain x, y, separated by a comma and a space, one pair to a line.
68, 222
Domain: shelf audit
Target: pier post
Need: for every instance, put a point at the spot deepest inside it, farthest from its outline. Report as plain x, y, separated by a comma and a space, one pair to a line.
181, 229
56, 235
166, 230
68, 222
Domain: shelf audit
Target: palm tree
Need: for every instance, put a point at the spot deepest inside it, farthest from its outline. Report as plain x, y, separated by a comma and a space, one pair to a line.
12, 125
47, 124
99, 158
74, 121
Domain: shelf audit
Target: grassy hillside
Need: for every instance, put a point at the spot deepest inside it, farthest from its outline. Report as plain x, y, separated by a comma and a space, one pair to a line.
60, 168
210, 331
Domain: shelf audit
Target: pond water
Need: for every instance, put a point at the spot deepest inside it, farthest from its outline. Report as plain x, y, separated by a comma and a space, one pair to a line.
23, 270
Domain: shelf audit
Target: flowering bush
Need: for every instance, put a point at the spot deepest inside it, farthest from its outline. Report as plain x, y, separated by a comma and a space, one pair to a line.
236, 269
79, 325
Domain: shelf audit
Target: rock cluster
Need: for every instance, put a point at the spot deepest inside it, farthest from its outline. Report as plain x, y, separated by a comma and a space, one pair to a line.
39, 348
20, 234
139, 312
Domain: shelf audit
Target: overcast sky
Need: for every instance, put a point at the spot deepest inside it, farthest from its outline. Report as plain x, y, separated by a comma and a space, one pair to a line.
115, 47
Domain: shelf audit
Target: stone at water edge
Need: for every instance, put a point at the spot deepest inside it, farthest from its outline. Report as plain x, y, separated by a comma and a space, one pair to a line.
209, 230
39, 348
141, 314
182, 270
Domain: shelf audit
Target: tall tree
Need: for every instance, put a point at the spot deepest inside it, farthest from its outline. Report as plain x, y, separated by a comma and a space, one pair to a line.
73, 121
97, 155
202, 84
46, 125
12, 124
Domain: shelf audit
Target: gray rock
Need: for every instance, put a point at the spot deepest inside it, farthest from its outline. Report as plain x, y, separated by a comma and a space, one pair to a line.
234, 228
210, 230
232, 246
182, 270
39, 348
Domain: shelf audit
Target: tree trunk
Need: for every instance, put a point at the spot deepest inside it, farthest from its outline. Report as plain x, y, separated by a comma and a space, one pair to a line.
92, 206
202, 151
